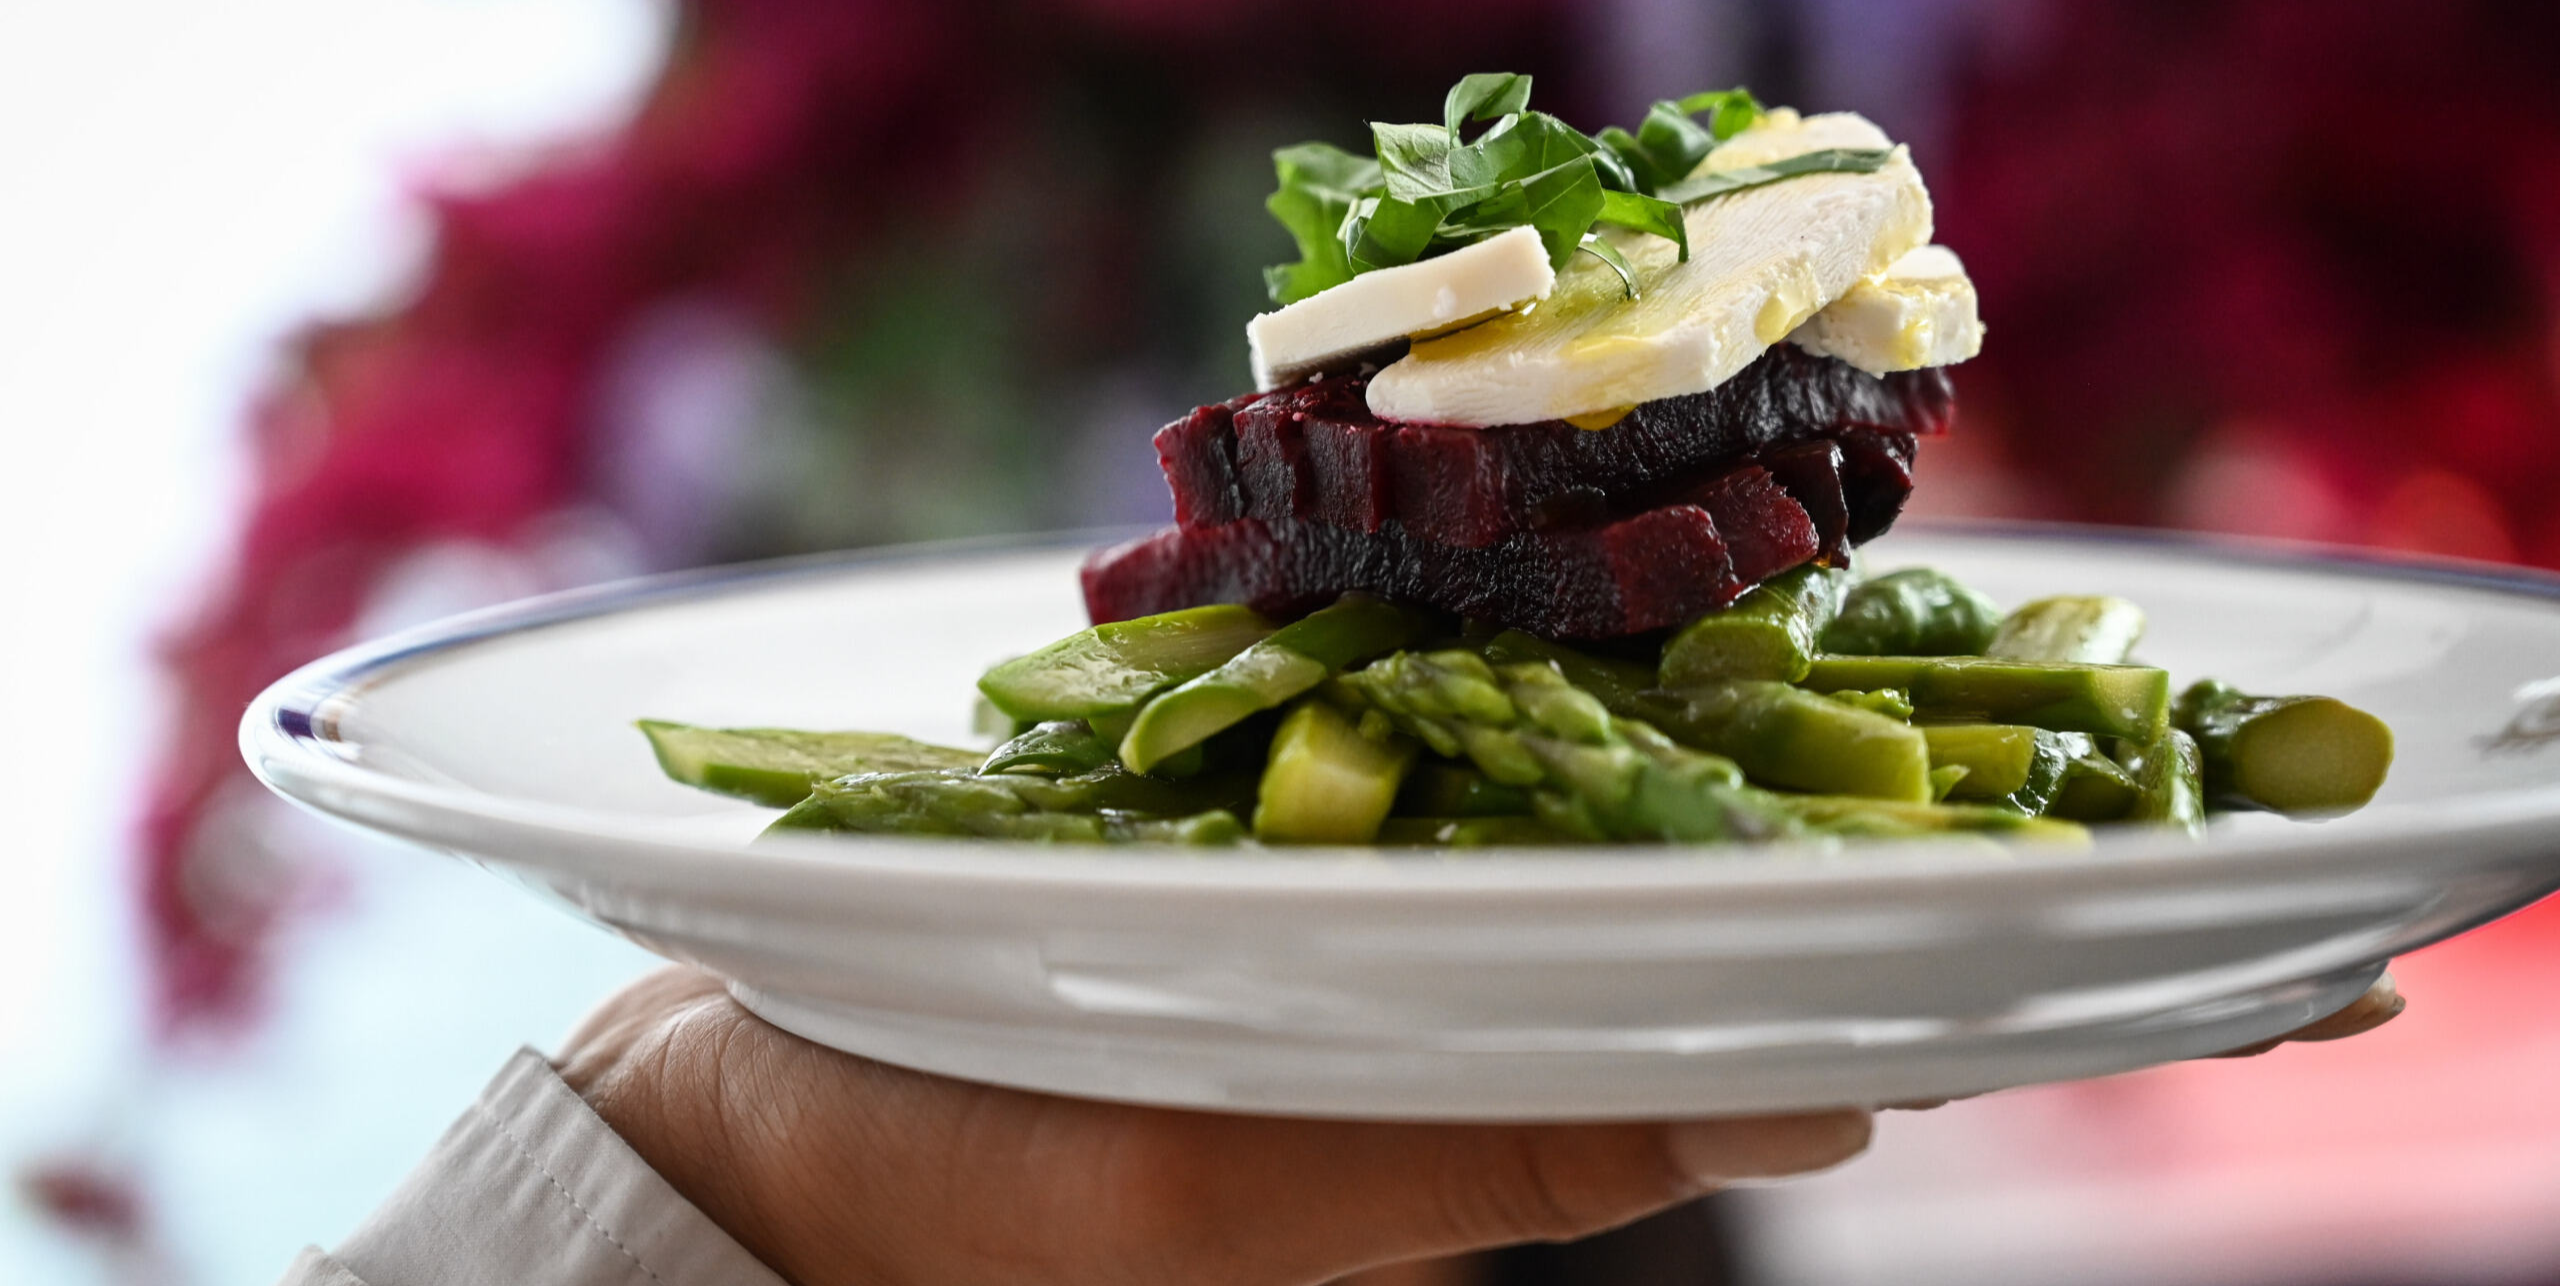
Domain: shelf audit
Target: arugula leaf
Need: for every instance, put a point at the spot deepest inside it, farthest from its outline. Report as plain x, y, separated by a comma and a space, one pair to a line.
1430, 191
1598, 247
1319, 183
1483, 96
1646, 214
1831, 160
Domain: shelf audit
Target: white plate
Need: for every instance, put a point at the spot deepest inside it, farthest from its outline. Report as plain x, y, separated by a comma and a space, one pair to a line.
1521, 985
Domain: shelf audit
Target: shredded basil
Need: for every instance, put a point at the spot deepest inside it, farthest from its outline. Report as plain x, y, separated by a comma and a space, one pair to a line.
1430, 190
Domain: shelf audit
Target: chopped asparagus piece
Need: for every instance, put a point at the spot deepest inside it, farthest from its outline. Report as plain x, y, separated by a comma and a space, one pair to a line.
2127, 701
1944, 780
1265, 676
2091, 628
1888, 702
778, 766
2012, 766
2290, 754
1996, 757
1786, 736
1771, 632
1058, 748
1591, 774
1009, 806
2168, 775
1620, 685
2094, 789
1918, 611
1441, 789
1109, 669
1328, 781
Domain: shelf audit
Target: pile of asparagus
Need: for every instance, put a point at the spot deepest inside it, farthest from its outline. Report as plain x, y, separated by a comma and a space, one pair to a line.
1815, 707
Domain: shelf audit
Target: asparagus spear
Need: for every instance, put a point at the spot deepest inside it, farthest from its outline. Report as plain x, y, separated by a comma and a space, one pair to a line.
1058, 748
2008, 765
1771, 632
1918, 611
777, 766
1009, 806
2090, 628
1329, 781
1620, 685
1786, 736
1889, 819
2168, 776
2126, 701
2094, 789
1107, 670
2291, 754
1297, 657
1590, 774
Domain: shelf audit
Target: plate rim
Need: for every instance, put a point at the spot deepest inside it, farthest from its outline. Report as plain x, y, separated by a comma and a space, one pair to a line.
280, 736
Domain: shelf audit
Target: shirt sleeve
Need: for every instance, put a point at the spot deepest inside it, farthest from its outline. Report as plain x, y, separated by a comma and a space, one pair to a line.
532, 1186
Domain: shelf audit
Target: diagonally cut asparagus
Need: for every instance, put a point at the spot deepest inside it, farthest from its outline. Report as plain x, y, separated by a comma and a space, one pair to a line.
1918, 611
1268, 674
2091, 628
1107, 670
777, 766
1786, 736
2128, 701
1772, 632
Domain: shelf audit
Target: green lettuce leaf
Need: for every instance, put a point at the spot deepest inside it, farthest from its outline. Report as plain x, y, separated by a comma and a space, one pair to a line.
1832, 160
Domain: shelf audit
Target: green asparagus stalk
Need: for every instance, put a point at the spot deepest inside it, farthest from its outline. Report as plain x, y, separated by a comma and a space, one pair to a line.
1008, 806
1918, 611
2009, 765
777, 767
1108, 670
2168, 776
2094, 789
1786, 736
1268, 674
1890, 819
1890, 703
1329, 781
1058, 748
2103, 700
1589, 773
1771, 632
2093, 629
2290, 754
1619, 684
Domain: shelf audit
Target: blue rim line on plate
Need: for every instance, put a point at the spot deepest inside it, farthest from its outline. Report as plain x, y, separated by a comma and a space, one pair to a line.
285, 737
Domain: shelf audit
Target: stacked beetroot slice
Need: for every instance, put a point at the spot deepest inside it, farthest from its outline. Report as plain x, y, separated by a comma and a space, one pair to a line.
1284, 500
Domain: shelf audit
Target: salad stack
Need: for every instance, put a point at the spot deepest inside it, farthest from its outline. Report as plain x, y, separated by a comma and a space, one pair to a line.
1538, 528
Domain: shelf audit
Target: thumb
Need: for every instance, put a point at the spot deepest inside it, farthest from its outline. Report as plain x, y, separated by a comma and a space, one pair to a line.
1297, 1201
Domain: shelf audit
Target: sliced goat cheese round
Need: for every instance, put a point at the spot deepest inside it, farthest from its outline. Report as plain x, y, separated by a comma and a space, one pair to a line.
1761, 261
1390, 305
1920, 312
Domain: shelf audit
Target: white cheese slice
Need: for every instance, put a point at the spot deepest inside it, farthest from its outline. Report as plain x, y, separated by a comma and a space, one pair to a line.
1384, 307
1761, 261
1920, 312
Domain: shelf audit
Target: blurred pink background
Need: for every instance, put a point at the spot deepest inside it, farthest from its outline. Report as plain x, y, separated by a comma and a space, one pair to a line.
323, 318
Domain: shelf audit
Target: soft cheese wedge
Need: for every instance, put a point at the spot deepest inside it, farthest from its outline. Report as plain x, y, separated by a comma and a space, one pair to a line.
1921, 312
1376, 309
1761, 262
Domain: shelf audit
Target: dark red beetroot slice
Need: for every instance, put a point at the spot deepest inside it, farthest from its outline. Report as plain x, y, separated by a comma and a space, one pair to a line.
1765, 530
1198, 454
1810, 472
1646, 572
1875, 472
1315, 453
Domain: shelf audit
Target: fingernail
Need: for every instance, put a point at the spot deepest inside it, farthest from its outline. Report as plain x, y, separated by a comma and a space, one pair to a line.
1717, 1154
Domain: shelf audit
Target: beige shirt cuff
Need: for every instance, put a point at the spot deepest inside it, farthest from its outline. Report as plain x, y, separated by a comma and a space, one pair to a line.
532, 1186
